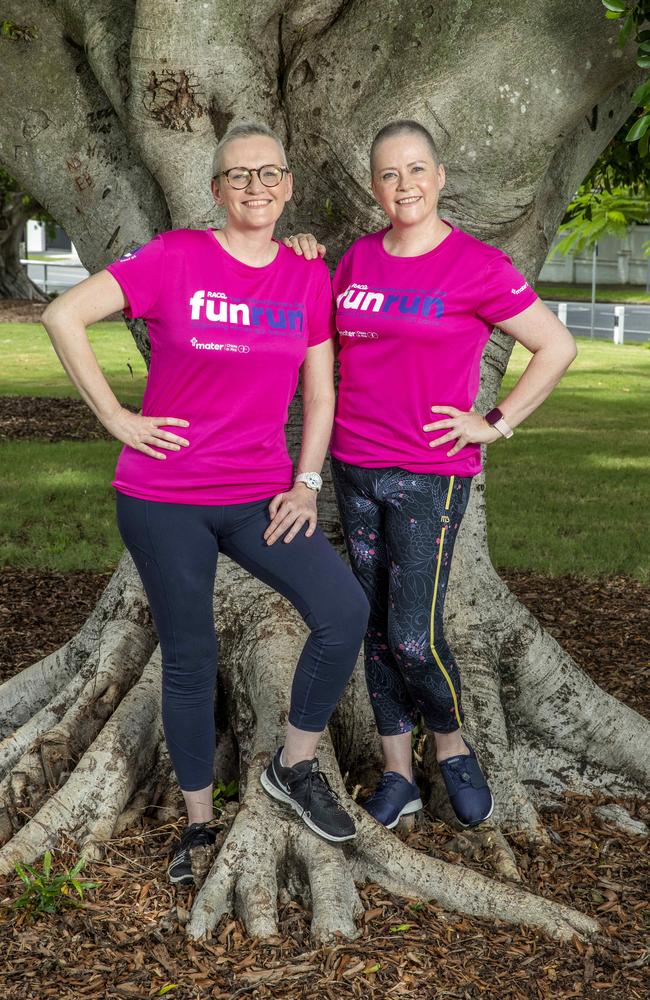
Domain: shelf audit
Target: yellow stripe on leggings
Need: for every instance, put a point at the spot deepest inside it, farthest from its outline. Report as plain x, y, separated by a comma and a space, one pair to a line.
433, 609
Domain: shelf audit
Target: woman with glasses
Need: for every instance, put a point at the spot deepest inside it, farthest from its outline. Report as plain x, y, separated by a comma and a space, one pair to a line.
416, 304
232, 316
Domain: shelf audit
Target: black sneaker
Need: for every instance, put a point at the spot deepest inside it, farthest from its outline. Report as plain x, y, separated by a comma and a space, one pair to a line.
308, 792
192, 854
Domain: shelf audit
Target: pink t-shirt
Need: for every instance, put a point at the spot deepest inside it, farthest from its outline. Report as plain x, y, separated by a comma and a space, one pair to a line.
227, 342
411, 334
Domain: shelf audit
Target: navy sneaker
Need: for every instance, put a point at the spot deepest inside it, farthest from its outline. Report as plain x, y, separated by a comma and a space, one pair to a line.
469, 793
393, 798
306, 789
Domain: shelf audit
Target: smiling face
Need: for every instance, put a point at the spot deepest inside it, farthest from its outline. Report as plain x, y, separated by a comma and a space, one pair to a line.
406, 180
256, 206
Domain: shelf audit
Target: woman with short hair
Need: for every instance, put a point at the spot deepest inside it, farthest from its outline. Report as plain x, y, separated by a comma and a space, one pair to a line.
233, 316
416, 305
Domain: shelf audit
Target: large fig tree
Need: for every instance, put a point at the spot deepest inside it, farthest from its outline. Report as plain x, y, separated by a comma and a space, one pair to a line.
110, 114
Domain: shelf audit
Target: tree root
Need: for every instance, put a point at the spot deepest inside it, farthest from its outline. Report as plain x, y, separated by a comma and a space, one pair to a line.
89, 804
55, 738
406, 872
487, 842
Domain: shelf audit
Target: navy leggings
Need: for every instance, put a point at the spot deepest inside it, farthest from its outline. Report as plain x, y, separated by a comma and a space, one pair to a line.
175, 549
400, 528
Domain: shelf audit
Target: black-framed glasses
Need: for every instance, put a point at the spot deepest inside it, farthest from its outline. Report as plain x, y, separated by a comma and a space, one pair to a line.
269, 175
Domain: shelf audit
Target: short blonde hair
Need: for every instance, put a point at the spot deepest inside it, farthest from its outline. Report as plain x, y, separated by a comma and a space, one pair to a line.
244, 131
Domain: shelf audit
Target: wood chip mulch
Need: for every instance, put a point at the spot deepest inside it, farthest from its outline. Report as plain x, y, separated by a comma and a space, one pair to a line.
40, 611
129, 941
49, 418
25, 311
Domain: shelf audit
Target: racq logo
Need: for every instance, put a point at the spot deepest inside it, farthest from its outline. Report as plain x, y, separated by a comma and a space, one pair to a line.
518, 291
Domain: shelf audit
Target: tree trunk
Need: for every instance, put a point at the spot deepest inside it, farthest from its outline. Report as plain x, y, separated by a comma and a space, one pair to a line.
138, 97
15, 283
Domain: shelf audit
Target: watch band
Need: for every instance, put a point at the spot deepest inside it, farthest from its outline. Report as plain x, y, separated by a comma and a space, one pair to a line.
496, 419
312, 480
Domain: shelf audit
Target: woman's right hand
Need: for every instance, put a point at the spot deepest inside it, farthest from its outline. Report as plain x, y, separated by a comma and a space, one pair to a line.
305, 245
141, 432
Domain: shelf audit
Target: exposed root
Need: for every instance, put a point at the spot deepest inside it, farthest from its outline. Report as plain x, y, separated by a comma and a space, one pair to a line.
26, 693
334, 898
620, 817
561, 703
90, 802
410, 873
75, 717
487, 842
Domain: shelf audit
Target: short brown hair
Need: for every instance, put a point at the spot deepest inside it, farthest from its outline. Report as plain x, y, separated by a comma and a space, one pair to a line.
403, 126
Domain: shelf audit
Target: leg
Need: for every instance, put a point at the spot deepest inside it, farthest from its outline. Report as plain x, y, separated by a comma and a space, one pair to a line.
424, 514
422, 524
313, 577
362, 516
175, 551
310, 574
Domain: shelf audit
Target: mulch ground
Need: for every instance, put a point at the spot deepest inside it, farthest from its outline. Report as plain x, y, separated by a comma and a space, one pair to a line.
129, 941
24, 311
50, 418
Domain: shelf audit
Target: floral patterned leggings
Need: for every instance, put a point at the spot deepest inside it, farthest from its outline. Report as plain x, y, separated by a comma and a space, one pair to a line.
400, 528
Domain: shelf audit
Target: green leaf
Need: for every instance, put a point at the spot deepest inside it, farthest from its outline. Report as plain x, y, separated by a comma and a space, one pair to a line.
22, 873
47, 863
373, 968
639, 128
644, 48
167, 988
643, 61
77, 868
416, 906
642, 93
644, 144
615, 6
400, 927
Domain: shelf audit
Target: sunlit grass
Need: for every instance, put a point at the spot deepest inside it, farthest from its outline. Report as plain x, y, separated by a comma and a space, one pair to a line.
30, 366
570, 491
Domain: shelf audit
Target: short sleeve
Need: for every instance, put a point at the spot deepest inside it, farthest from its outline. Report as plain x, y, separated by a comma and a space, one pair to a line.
140, 276
339, 281
321, 311
504, 291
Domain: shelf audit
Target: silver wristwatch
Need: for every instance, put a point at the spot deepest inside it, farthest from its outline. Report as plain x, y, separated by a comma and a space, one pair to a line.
311, 480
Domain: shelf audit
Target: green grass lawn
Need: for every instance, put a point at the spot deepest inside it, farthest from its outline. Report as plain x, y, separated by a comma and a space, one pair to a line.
570, 492
31, 368
582, 293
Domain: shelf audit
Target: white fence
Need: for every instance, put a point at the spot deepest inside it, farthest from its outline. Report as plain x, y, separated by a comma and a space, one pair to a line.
55, 275
620, 324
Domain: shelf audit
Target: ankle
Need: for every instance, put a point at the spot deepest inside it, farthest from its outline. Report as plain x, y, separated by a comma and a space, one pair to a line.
450, 745
406, 772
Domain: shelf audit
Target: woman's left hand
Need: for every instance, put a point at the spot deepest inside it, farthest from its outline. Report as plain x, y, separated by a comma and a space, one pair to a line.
466, 427
290, 511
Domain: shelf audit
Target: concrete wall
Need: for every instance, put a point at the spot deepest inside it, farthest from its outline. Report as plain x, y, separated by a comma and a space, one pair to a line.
620, 262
